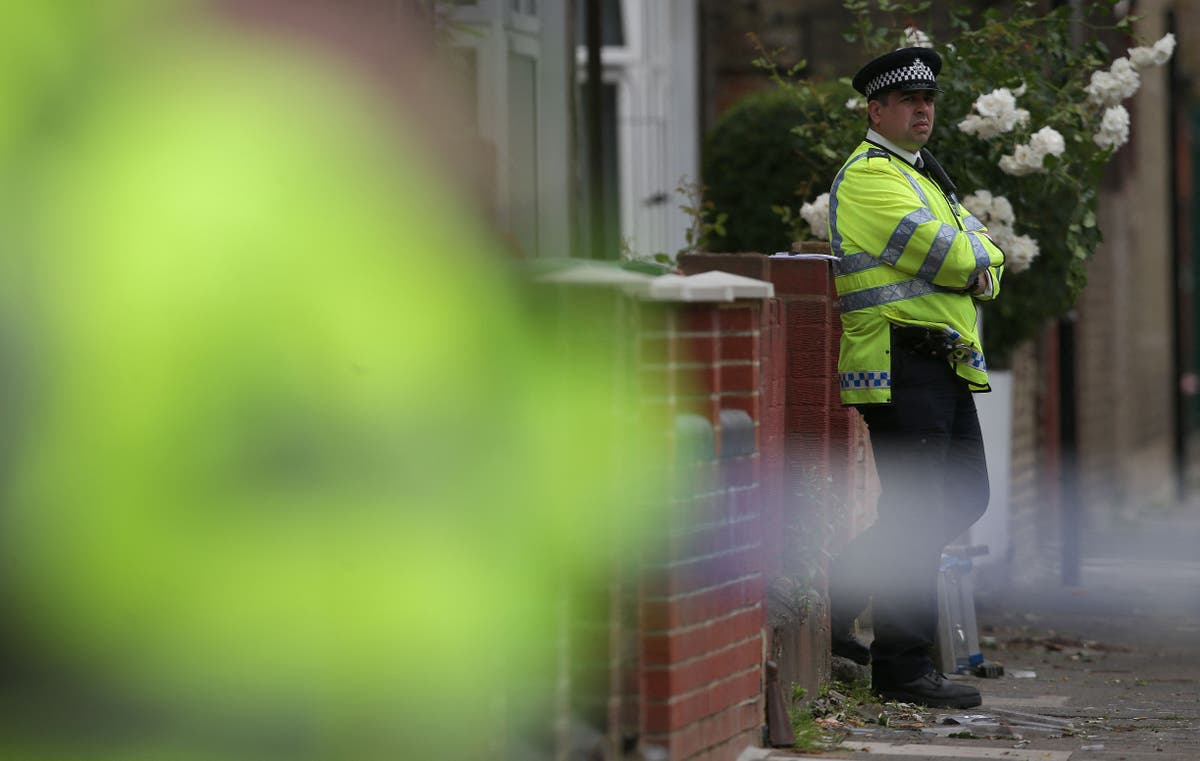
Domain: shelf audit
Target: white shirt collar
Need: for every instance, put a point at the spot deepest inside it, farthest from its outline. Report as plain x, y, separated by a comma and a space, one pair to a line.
908, 156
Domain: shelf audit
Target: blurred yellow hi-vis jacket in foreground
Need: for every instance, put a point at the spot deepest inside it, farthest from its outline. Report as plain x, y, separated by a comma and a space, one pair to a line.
907, 254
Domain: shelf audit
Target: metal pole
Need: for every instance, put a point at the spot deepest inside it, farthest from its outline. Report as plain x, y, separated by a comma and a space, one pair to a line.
1072, 512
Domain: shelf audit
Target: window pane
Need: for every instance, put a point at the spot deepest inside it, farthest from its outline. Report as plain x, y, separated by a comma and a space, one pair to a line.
608, 207
612, 23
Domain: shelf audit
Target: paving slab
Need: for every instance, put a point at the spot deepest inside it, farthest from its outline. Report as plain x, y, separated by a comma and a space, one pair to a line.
1109, 670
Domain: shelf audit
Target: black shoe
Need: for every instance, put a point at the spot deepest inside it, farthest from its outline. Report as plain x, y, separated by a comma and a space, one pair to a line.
846, 646
932, 690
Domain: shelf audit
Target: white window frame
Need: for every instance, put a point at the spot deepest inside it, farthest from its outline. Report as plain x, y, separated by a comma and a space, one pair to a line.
657, 117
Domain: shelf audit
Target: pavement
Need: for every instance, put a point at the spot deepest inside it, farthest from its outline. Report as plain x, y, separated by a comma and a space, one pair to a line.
1108, 670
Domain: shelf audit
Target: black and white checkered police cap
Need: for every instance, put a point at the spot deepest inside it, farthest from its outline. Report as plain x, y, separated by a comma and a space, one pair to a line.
904, 69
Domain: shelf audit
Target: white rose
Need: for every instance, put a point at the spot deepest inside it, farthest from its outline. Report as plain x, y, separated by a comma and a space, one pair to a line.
916, 38
996, 214
1002, 211
1102, 88
1108, 88
816, 214
1019, 252
1164, 48
1048, 141
992, 210
984, 129
1114, 128
1142, 57
979, 203
854, 104
995, 114
1023, 160
977, 207
995, 103
1126, 76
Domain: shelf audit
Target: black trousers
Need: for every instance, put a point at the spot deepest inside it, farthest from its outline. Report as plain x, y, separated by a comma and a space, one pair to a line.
934, 484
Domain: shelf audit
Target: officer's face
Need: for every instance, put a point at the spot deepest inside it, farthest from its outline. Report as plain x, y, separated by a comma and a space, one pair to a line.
905, 118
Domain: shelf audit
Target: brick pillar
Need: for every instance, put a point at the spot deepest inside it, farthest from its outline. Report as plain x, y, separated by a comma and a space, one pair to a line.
826, 475
703, 583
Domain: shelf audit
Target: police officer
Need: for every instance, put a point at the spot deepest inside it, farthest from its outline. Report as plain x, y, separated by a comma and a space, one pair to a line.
912, 263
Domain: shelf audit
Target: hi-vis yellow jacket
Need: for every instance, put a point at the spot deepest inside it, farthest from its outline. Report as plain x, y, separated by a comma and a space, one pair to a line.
907, 252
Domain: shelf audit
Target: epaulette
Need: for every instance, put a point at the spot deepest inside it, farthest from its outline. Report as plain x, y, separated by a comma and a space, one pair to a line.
878, 153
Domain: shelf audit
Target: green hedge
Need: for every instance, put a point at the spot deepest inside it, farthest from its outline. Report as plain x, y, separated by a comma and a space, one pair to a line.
749, 165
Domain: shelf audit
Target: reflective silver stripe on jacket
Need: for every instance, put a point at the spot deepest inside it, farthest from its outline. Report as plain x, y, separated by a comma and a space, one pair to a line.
851, 263
835, 240
982, 260
937, 252
903, 234
886, 294
916, 186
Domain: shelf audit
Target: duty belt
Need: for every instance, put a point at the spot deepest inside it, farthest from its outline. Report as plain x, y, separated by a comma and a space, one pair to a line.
928, 342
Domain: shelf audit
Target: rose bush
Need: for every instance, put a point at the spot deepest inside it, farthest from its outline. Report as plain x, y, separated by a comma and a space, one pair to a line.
1030, 115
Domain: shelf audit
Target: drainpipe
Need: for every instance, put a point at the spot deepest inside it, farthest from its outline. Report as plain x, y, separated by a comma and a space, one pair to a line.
1071, 514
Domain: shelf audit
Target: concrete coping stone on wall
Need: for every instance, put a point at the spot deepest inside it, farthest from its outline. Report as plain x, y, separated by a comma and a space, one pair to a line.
680, 288
589, 273
709, 286
743, 287
706, 286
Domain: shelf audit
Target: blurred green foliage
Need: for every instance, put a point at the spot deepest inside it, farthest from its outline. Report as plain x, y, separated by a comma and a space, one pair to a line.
291, 469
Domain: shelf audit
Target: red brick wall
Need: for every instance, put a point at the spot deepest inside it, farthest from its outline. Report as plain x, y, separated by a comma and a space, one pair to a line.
817, 478
830, 476
702, 597
760, 499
